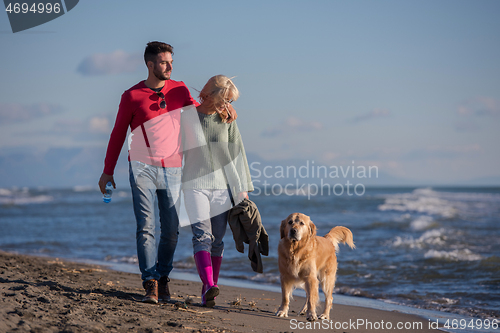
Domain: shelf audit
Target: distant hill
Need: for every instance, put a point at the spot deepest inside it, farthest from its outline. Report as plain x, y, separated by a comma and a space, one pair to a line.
482, 181
58, 167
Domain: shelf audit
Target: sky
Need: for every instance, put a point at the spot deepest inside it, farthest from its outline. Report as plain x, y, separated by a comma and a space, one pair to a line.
411, 87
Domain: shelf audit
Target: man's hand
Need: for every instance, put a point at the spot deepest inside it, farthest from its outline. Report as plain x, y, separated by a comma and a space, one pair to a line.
232, 115
104, 180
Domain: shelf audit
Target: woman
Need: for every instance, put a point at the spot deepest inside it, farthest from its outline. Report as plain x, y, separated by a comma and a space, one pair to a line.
215, 175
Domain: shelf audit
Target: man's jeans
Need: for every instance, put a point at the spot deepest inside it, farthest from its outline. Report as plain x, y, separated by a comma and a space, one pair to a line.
147, 181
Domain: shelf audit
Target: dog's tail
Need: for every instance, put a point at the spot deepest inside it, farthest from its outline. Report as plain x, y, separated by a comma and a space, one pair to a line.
340, 235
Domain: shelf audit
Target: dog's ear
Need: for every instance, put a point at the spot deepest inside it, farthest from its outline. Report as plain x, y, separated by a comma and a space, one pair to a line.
282, 228
313, 228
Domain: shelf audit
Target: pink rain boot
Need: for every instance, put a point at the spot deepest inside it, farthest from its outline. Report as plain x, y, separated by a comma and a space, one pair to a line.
209, 290
216, 262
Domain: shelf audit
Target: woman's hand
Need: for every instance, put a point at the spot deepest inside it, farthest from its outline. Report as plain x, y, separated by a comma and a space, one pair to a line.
242, 195
231, 112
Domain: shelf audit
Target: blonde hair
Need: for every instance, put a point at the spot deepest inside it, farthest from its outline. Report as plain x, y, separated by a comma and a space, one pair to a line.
216, 90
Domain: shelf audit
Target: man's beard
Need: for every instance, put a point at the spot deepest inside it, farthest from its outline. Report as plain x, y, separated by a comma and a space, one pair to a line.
161, 76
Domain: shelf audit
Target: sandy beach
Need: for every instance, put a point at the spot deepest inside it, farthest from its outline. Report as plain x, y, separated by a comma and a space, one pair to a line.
41, 294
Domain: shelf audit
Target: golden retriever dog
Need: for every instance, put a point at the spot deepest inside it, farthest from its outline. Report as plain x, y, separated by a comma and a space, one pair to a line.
304, 258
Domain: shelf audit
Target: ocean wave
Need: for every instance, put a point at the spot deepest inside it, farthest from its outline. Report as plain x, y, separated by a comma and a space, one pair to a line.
37, 247
421, 201
472, 196
122, 260
440, 203
344, 290
455, 255
84, 188
403, 218
444, 301
430, 237
185, 265
5, 192
25, 200
265, 278
422, 223
22, 196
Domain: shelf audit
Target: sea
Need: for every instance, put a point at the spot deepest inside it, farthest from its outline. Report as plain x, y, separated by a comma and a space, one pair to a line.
428, 248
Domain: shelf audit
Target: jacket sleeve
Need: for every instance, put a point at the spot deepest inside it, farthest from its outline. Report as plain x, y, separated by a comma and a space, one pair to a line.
246, 224
263, 237
239, 234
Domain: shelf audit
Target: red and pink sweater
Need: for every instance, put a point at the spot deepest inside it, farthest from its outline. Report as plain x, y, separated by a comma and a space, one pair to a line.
155, 137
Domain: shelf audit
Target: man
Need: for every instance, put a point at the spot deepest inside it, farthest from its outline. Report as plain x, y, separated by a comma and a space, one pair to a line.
152, 110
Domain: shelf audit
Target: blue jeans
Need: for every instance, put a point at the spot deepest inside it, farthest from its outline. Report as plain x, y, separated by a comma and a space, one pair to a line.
147, 182
207, 211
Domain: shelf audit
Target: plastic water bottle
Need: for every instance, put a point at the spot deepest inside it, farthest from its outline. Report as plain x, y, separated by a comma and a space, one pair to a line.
109, 192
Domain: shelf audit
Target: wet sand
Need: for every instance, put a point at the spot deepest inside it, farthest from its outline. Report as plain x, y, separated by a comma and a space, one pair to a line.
40, 294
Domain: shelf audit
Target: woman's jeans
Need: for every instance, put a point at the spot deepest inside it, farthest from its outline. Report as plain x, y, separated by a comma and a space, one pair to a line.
207, 211
147, 182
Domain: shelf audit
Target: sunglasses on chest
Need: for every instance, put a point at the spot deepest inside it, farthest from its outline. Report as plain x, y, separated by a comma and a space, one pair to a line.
163, 104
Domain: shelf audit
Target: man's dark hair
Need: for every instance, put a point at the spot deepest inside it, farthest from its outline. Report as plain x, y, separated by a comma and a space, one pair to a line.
155, 48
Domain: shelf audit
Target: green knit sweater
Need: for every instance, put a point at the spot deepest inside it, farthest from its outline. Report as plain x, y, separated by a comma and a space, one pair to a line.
214, 156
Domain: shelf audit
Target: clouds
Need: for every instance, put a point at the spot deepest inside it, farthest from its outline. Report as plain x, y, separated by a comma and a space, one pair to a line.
292, 125
56, 166
440, 152
434, 151
374, 114
15, 113
92, 125
472, 111
99, 125
479, 106
116, 62
437, 163
64, 131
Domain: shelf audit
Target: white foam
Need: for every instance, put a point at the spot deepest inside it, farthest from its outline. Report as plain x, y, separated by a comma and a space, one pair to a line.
22, 196
434, 237
127, 260
445, 301
422, 201
25, 200
422, 223
444, 204
456, 255
431, 237
5, 192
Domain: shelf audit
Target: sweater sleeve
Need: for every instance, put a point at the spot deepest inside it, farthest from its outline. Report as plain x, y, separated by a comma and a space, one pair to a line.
119, 133
241, 163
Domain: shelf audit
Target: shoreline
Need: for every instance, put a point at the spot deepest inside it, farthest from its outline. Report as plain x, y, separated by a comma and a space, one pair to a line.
358, 301
45, 294
421, 254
